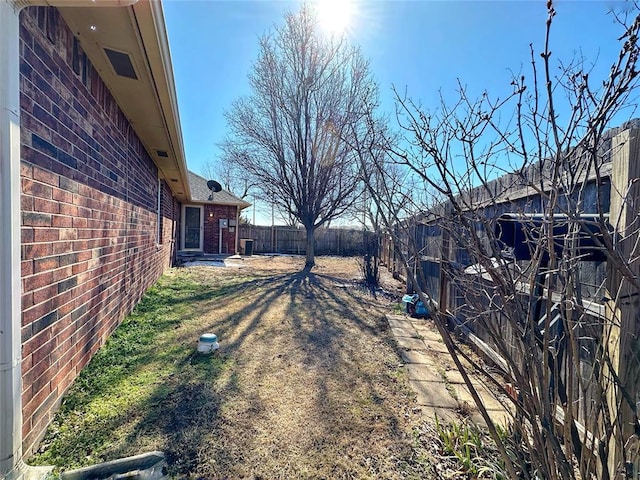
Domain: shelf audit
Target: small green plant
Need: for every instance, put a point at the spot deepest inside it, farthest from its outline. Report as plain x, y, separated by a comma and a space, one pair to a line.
448, 385
398, 308
470, 447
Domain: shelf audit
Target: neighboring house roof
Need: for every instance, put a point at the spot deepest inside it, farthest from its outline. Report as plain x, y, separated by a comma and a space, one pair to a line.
200, 193
128, 46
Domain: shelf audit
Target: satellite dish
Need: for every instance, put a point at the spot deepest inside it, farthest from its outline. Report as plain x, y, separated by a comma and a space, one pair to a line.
214, 186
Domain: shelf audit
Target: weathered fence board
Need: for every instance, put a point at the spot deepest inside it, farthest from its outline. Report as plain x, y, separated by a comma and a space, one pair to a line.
328, 241
512, 194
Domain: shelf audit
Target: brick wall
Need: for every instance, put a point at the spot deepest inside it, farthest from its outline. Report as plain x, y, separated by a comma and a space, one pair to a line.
211, 241
89, 215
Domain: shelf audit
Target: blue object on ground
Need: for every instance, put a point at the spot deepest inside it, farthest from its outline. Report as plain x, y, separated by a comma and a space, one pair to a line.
414, 306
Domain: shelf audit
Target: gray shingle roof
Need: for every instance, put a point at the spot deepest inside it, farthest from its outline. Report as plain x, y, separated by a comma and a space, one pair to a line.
201, 193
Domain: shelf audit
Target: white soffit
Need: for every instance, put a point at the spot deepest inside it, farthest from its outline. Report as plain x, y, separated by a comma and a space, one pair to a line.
149, 101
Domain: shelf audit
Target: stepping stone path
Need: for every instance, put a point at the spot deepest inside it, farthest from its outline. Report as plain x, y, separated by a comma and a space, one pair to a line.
434, 377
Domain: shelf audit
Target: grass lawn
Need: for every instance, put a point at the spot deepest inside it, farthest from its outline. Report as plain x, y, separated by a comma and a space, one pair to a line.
307, 382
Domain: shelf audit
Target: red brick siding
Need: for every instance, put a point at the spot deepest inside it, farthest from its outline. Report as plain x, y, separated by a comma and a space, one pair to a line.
211, 242
89, 215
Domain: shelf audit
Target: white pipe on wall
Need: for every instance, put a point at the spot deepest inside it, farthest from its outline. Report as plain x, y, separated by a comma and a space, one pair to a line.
10, 275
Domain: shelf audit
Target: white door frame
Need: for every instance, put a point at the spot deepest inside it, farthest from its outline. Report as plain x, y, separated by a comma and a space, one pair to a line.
183, 224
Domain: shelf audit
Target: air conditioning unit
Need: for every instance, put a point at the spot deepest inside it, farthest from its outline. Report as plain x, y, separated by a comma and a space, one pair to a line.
246, 246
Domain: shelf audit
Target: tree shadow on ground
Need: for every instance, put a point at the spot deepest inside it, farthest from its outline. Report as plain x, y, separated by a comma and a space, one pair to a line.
185, 406
305, 366
311, 337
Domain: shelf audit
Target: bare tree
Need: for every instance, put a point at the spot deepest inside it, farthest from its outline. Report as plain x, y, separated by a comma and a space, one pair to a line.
229, 176
311, 92
535, 234
384, 182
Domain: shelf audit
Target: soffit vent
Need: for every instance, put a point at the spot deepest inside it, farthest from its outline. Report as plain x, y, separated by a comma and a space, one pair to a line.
121, 63
162, 153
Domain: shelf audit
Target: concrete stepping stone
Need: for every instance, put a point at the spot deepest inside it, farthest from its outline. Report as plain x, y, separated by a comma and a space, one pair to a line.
494, 408
463, 395
445, 415
498, 417
433, 394
428, 332
454, 376
399, 321
404, 332
424, 358
417, 356
409, 343
451, 366
491, 403
425, 373
436, 347
488, 399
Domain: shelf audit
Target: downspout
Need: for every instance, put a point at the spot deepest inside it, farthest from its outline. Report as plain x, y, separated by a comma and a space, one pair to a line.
10, 274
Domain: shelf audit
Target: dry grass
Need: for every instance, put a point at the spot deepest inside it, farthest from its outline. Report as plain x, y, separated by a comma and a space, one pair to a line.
307, 382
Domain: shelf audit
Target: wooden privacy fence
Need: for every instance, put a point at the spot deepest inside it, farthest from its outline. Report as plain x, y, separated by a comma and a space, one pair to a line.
328, 241
615, 193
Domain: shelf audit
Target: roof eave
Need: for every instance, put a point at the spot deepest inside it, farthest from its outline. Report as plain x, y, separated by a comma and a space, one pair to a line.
150, 102
158, 51
241, 205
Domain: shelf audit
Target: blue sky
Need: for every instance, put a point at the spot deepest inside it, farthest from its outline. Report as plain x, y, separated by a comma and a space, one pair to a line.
420, 46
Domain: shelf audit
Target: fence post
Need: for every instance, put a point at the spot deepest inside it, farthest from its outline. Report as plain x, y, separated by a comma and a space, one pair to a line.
445, 258
275, 242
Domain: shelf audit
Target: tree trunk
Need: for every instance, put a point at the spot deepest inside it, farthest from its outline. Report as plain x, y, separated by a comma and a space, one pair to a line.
310, 248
